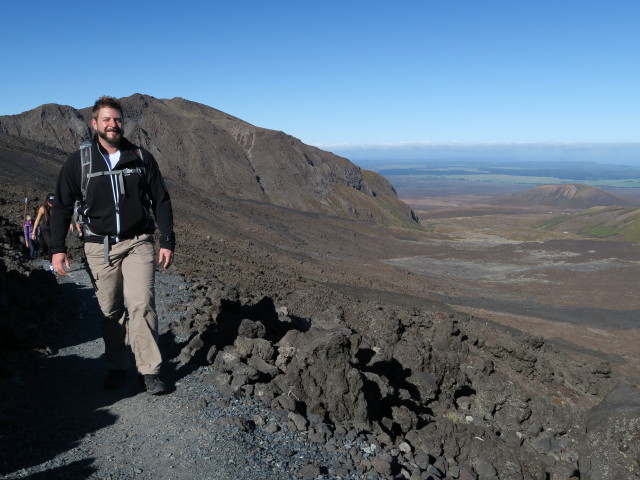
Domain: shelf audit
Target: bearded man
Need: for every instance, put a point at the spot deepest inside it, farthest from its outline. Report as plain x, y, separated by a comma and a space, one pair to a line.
114, 186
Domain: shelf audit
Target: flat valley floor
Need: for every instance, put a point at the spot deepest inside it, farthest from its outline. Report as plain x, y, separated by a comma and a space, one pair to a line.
577, 292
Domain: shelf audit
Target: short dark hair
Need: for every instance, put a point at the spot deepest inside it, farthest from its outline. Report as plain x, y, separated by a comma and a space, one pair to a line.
105, 101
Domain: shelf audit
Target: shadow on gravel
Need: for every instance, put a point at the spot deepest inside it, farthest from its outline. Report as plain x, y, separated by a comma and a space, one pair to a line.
78, 470
172, 371
84, 315
60, 399
61, 402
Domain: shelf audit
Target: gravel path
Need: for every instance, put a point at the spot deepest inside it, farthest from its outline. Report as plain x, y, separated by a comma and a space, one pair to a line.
67, 427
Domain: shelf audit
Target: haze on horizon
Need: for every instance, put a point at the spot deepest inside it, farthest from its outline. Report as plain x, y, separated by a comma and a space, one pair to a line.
372, 156
345, 73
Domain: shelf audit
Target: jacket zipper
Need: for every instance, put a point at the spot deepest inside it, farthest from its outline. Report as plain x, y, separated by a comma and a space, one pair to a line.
116, 194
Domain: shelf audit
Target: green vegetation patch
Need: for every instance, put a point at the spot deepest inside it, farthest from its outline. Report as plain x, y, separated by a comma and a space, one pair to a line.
632, 232
430, 227
552, 222
599, 231
621, 223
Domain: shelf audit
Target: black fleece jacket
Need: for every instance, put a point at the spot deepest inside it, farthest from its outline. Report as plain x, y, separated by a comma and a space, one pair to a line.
107, 211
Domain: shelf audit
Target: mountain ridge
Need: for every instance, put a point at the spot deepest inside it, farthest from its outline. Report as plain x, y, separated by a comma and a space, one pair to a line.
200, 146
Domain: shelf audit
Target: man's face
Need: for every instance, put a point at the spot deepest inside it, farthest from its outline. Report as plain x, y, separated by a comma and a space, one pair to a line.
109, 125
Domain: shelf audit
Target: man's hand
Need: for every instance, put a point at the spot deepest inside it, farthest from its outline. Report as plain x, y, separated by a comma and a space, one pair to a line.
165, 258
60, 261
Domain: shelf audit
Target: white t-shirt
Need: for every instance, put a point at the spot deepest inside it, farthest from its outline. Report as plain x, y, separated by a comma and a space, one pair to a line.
112, 158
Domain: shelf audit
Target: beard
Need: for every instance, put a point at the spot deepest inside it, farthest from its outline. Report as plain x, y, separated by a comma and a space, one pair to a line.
112, 136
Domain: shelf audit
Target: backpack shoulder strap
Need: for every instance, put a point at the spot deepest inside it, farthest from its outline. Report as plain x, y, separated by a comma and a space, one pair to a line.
143, 172
85, 175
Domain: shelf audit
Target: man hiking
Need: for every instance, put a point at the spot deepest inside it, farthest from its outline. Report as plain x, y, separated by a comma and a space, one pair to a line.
114, 185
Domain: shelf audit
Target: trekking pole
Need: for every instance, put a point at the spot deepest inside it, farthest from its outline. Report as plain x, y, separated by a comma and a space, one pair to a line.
24, 215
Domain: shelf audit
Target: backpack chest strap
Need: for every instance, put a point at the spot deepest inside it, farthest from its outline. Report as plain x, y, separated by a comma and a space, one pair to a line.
120, 174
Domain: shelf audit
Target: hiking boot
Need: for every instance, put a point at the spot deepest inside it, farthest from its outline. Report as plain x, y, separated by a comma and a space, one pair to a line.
114, 379
154, 385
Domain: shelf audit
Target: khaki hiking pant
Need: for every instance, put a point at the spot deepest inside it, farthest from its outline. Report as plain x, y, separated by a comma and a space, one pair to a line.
126, 285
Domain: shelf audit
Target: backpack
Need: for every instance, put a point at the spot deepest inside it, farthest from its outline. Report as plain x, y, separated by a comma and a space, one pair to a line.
86, 176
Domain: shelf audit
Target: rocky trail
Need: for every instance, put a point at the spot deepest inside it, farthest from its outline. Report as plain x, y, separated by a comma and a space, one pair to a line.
65, 425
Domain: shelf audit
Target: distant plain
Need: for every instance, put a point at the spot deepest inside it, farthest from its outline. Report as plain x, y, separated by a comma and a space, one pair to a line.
522, 265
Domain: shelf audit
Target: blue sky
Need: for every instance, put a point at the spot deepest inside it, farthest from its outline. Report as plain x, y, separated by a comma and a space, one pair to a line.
343, 73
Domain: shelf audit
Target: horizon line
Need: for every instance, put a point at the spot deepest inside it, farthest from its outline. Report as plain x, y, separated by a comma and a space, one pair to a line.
393, 145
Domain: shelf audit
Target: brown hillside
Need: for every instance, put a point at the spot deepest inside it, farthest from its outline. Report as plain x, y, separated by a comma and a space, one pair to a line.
570, 196
203, 148
30, 163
